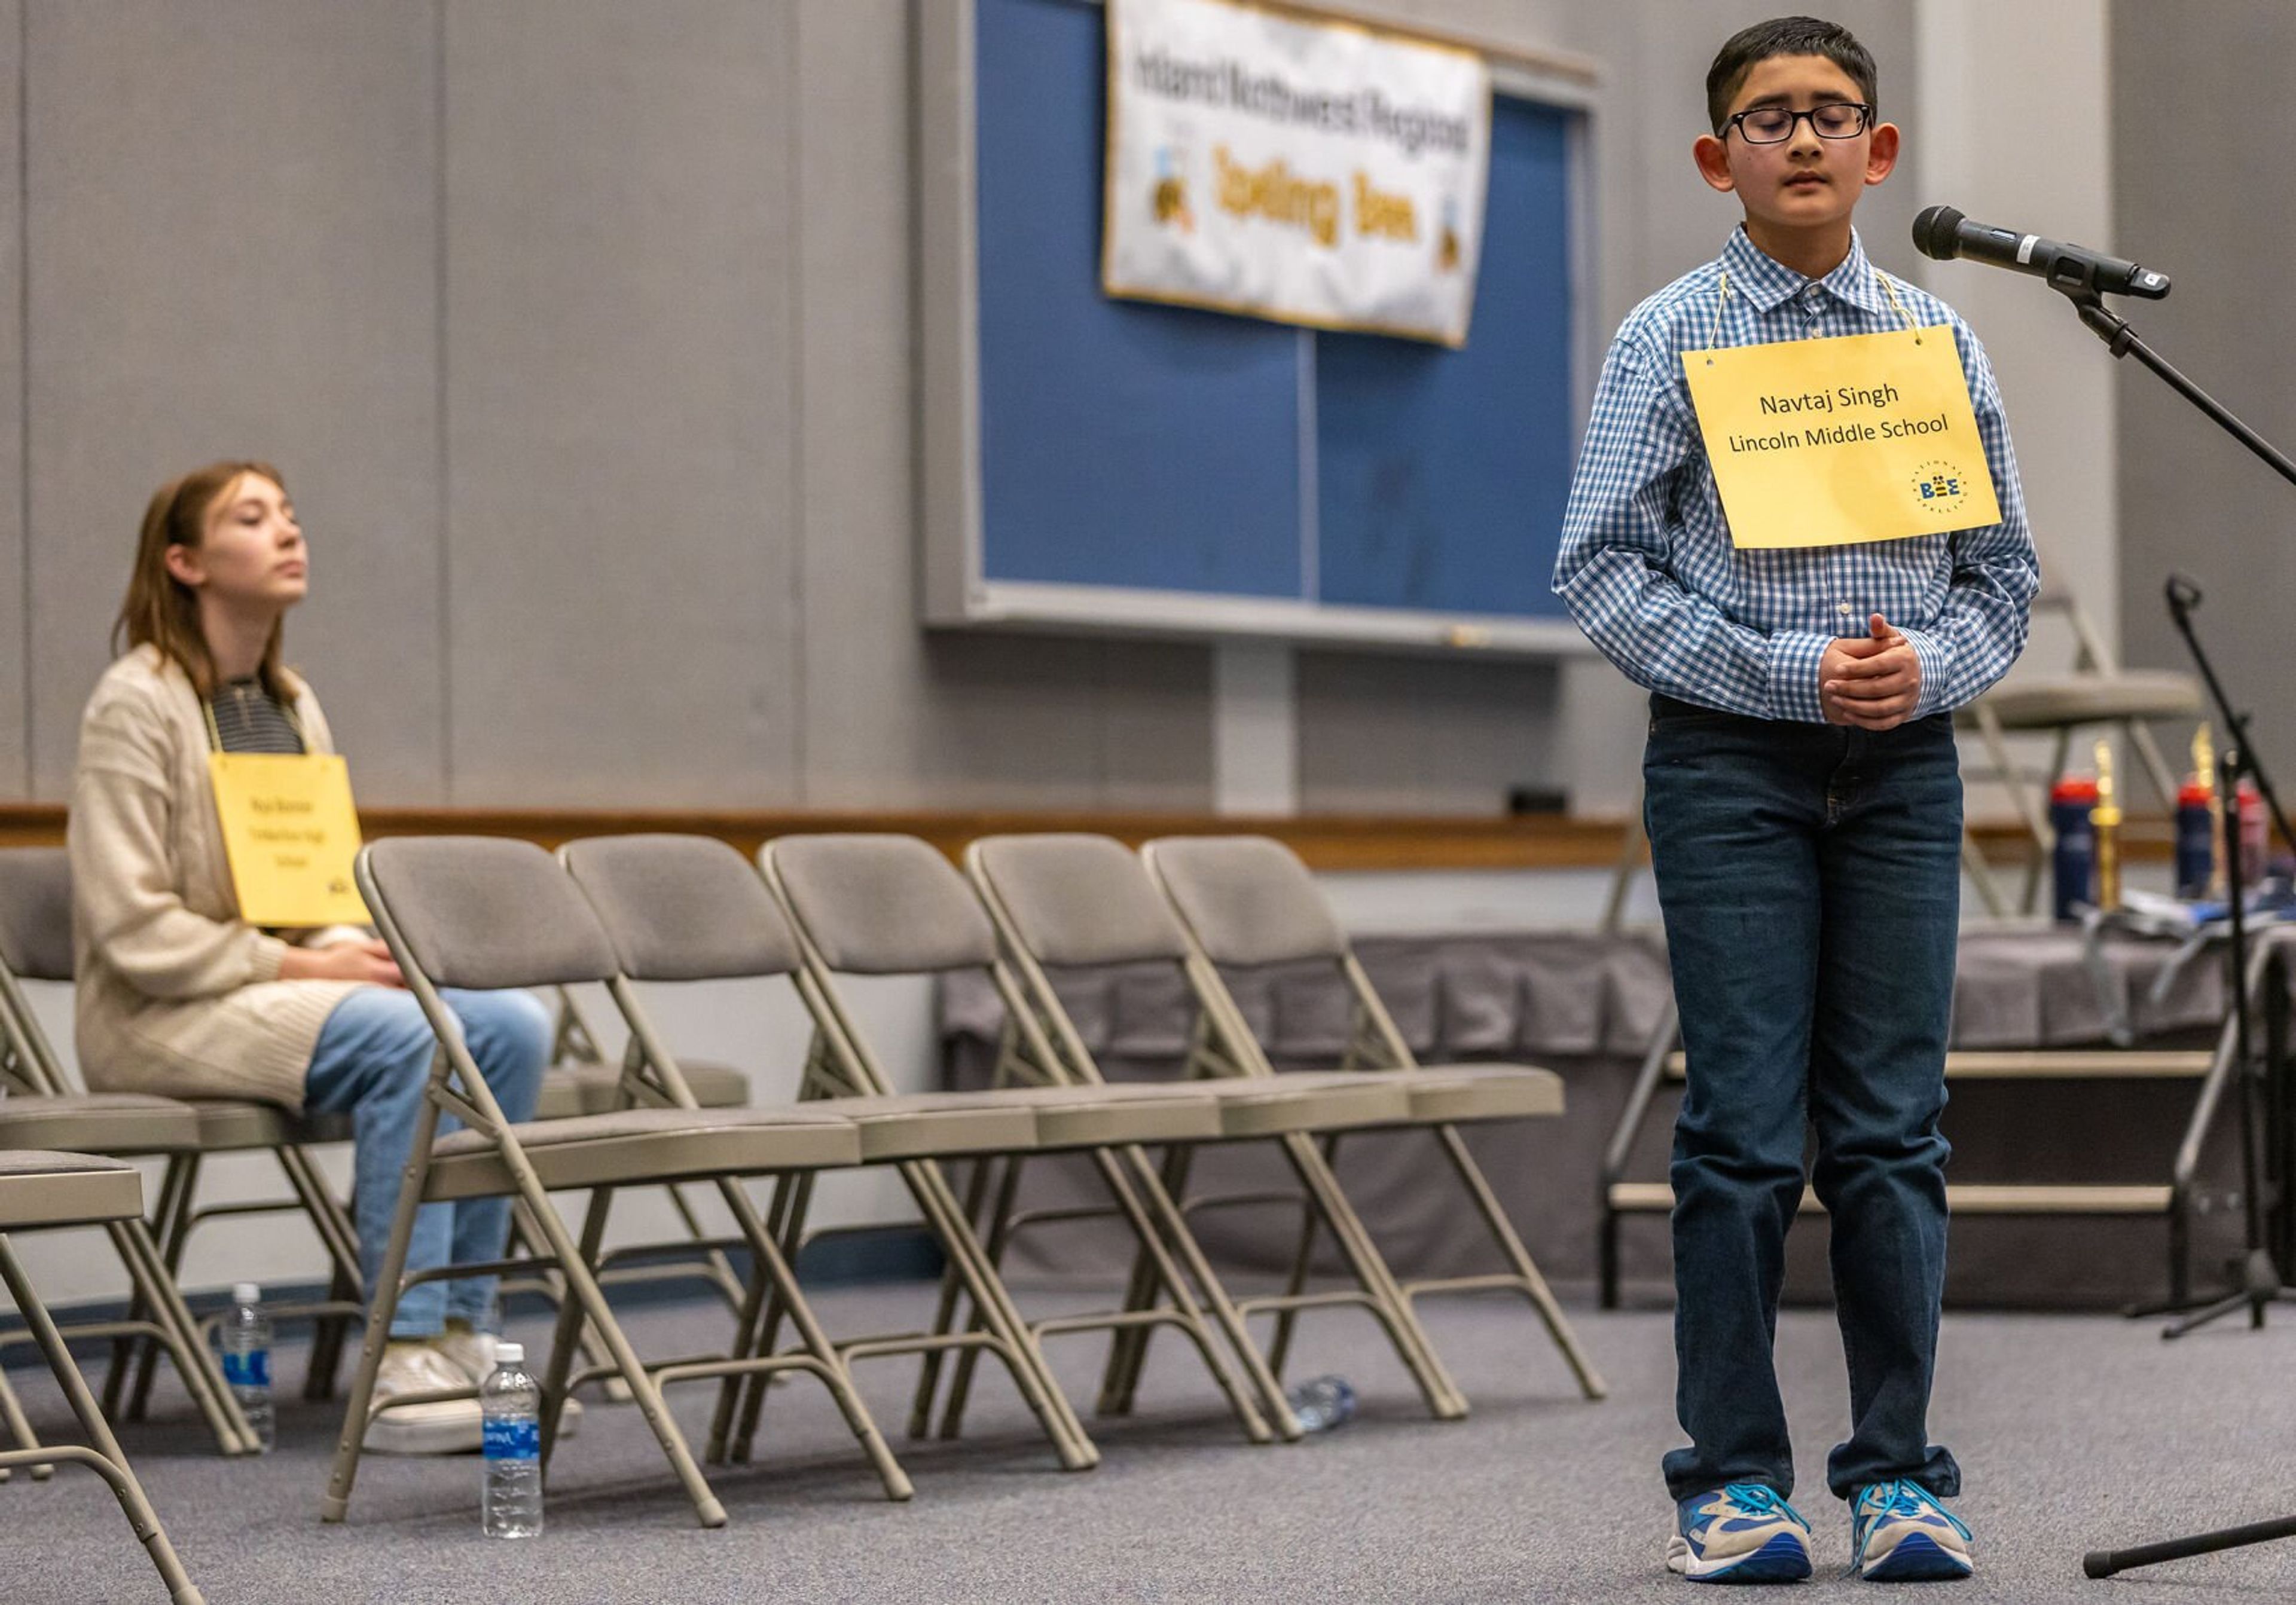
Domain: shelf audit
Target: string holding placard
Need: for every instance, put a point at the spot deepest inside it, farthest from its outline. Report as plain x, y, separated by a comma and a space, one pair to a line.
1890, 289
1714, 338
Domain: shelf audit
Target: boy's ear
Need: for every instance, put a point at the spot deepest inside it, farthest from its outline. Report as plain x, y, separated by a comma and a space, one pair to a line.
1882, 152
1713, 159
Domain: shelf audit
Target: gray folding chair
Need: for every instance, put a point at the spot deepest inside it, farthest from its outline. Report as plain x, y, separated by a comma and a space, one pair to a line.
486, 913
126, 1126
35, 945
1248, 902
686, 908
890, 904
1079, 902
38, 1190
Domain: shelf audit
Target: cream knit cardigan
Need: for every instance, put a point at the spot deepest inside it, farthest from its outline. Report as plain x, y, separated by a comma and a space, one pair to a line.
176, 993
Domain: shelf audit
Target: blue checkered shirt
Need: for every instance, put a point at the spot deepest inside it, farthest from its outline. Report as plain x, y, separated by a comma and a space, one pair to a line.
1646, 566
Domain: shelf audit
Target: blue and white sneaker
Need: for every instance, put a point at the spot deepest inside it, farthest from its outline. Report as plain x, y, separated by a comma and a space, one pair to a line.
1740, 1532
1902, 1533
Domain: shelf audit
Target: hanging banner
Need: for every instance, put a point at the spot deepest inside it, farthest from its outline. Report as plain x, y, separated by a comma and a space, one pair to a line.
1270, 162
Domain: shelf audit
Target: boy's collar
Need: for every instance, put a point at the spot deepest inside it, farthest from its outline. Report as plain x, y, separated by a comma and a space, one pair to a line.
1769, 283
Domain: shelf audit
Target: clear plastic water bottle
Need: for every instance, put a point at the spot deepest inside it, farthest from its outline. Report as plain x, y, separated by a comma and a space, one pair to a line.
512, 1400
246, 1339
1323, 1403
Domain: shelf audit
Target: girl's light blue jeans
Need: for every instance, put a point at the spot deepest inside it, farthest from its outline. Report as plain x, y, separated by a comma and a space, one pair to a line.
371, 1062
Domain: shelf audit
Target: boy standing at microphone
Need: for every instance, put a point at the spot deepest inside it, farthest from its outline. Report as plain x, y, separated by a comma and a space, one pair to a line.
1803, 794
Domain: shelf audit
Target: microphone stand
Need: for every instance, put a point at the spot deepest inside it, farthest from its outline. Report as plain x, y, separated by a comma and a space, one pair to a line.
2260, 1281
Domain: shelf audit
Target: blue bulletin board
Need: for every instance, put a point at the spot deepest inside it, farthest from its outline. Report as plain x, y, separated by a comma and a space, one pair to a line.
1101, 464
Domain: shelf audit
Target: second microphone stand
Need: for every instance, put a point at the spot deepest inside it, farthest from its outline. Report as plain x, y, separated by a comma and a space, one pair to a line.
2260, 1279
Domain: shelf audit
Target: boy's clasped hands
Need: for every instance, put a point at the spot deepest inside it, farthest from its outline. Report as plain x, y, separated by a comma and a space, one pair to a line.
1871, 681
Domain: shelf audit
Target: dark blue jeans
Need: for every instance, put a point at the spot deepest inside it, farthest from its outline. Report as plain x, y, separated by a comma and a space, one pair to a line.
1810, 878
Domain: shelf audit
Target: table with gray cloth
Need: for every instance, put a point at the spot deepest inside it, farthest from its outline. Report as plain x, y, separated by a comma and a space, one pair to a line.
1585, 1005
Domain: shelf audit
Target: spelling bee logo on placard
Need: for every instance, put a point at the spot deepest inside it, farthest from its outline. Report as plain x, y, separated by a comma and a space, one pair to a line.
1941, 487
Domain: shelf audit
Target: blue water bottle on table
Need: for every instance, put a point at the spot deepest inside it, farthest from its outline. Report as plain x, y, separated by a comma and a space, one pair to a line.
2074, 863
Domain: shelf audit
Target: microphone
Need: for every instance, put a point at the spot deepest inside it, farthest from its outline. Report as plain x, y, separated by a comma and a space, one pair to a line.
1944, 233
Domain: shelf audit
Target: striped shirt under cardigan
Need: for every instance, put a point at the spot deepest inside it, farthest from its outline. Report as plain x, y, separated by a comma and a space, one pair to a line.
1646, 566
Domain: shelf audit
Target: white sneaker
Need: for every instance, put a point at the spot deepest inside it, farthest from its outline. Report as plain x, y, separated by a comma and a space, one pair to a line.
472, 1352
436, 1427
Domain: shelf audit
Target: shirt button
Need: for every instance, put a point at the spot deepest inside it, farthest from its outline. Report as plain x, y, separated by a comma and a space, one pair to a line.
1844, 609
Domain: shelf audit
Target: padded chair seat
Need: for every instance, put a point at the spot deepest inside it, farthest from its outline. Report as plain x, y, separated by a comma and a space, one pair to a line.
638, 1146
99, 1123
565, 1095
2051, 702
228, 1124
588, 1089
1309, 1101
924, 1126
1097, 1116
1457, 1093
39, 1188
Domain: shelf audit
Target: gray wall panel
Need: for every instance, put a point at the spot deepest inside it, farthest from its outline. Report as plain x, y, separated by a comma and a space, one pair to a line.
1418, 735
1043, 721
864, 722
2191, 499
16, 645
894, 718
232, 252
620, 232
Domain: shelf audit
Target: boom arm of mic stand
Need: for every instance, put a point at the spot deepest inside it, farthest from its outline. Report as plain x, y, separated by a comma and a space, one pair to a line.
2122, 341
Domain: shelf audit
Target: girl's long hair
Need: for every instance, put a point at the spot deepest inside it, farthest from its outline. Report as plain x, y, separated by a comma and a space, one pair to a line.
162, 611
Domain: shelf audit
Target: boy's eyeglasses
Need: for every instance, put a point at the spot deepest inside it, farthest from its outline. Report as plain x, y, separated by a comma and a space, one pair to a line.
1774, 125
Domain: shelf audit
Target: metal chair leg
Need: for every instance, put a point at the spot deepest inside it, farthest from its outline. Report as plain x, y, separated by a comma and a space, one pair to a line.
1287, 1319
976, 1190
1128, 1353
769, 1320
19, 1428
195, 1367
583, 1285
1017, 1347
1518, 1257
1190, 1255
351, 1442
748, 1331
766, 1257
1392, 1307
184, 1172
566, 1340
1000, 1233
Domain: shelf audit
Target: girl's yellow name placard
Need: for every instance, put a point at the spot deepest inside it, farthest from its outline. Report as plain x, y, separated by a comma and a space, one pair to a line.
1832, 442
290, 832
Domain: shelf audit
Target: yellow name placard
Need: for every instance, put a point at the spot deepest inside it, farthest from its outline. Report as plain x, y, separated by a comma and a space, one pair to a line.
1831, 442
290, 833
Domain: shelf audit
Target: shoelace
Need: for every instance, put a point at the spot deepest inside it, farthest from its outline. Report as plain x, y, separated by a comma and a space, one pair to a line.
1898, 1498
1762, 1499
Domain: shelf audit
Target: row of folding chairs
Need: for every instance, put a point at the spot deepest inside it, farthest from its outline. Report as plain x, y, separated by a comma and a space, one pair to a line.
629, 912
634, 913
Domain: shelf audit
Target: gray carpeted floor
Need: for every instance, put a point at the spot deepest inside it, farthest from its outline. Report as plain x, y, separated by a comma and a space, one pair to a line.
2075, 1431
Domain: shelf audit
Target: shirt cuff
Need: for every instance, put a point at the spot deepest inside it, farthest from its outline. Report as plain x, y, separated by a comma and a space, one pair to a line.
1794, 658
1929, 652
